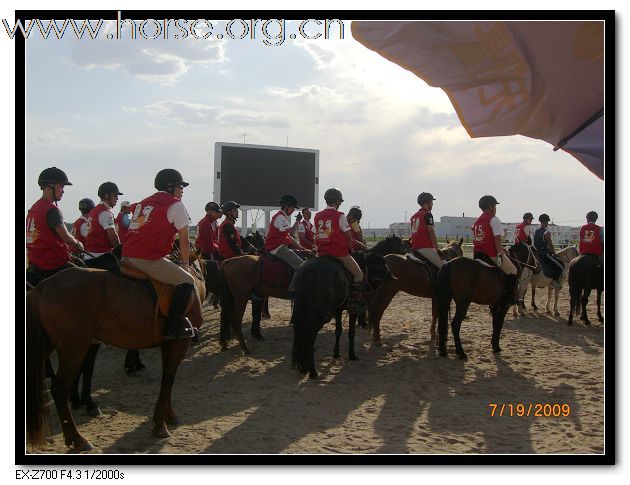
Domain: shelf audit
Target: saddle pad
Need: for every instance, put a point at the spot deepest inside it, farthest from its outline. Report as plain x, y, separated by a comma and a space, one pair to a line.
494, 266
274, 272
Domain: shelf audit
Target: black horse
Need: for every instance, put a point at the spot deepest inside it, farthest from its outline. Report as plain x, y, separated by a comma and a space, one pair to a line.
321, 291
585, 274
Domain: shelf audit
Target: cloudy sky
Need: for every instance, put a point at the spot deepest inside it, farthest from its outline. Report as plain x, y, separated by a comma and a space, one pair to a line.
120, 110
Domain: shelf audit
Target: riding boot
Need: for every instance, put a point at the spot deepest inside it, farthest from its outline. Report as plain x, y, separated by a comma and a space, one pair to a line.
291, 287
511, 286
178, 326
355, 302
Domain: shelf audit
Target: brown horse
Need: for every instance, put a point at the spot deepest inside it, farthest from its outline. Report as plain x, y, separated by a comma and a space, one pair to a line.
66, 312
468, 281
412, 278
240, 278
585, 274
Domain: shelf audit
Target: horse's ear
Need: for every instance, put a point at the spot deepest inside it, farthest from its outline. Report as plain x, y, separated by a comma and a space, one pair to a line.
461, 240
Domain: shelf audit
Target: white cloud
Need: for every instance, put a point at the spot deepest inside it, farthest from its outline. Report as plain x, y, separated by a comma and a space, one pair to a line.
151, 60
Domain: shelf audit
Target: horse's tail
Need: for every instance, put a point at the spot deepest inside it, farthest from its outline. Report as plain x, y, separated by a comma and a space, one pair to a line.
443, 297
227, 305
302, 335
37, 346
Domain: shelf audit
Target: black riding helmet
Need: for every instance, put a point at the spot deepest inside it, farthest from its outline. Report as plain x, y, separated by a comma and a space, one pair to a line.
167, 179
86, 205
229, 205
289, 200
52, 175
486, 201
108, 188
544, 218
592, 216
333, 195
213, 206
356, 213
528, 215
425, 197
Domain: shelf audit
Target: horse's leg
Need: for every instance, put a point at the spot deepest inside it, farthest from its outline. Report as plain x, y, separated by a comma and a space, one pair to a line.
434, 317
600, 317
534, 297
362, 319
352, 320
257, 307
584, 316
173, 352
548, 304
133, 362
87, 371
69, 367
555, 303
237, 322
265, 309
338, 331
498, 317
456, 325
574, 303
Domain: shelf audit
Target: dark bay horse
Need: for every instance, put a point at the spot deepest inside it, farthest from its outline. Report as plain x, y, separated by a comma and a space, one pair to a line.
321, 291
65, 313
585, 274
412, 278
467, 281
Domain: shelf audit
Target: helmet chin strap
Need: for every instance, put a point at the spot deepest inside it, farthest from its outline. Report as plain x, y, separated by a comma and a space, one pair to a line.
54, 193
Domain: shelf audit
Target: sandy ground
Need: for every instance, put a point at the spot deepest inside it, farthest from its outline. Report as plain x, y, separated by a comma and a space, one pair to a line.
398, 398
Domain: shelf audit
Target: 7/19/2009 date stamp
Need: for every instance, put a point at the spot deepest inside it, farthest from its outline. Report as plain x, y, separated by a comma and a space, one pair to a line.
537, 410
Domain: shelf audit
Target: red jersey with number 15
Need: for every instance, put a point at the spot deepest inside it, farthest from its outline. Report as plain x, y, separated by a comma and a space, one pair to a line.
483, 238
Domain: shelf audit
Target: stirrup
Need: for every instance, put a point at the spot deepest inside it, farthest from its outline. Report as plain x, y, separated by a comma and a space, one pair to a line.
184, 330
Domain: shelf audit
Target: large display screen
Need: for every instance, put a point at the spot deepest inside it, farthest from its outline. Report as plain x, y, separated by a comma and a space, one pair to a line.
256, 176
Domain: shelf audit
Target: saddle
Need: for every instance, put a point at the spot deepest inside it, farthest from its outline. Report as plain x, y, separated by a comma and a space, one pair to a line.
485, 260
552, 267
417, 258
274, 272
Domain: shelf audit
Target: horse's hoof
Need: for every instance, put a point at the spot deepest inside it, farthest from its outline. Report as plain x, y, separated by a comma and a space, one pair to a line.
556, 314
216, 307
224, 347
496, 350
378, 343
172, 420
443, 353
161, 432
336, 355
93, 411
265, 317
132, 369
587, 323
547, 312
312, 375
84, 445
246, 352
353, 357
76, 404
462, 356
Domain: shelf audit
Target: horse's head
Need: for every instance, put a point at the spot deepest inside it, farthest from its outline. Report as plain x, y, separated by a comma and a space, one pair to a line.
453, 250
392, 244
525, 256
376, 269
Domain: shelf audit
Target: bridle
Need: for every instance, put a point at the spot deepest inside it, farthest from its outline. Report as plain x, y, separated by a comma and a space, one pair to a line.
521, 264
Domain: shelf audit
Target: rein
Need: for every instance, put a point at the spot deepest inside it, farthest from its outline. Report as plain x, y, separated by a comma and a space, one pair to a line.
520, 263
